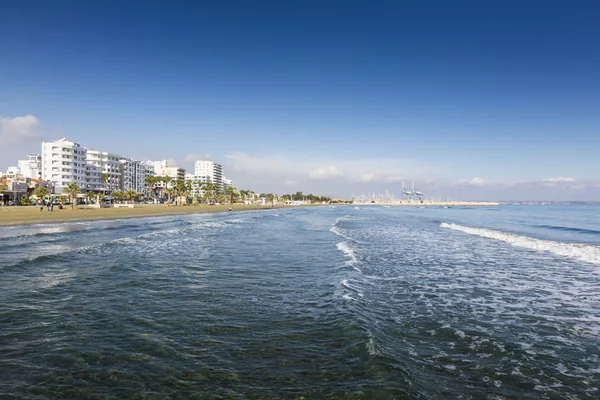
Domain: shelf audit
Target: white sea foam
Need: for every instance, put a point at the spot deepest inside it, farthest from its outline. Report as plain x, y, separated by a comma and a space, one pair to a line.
348, 251
349, 286
582, 252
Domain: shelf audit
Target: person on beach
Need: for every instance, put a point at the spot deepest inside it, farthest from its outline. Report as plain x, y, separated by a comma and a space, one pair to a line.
229, 208
41, 206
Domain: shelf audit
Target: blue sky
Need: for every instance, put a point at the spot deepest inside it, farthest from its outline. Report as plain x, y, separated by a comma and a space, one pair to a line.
468, 99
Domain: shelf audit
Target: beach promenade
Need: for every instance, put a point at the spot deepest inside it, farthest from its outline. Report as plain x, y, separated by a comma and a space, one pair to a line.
27, 215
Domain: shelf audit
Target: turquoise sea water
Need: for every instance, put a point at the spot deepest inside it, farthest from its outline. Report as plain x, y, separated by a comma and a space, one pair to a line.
328, 302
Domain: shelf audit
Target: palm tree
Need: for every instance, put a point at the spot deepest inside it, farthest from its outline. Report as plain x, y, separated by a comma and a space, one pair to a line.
151, 181
89, 195
131, 194
270, 198
209, 190
231, 194
166, 180
104, 178
72, 190
40, 192
118, 195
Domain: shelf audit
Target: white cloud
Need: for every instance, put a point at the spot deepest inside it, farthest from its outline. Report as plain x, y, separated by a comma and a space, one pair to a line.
19, 129
370, 177
192, 158
476, 181
354, 170
329, 172
558, 180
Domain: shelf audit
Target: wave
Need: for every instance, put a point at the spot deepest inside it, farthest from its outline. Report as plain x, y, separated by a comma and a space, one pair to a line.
351, 287
569, 229
582, 252
44, 230
347, 250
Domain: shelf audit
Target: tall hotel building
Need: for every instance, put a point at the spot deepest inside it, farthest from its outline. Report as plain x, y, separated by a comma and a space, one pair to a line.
63, 162
209, 171
101, 162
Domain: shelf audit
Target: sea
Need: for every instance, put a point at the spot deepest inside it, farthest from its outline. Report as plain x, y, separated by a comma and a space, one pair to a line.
331, 302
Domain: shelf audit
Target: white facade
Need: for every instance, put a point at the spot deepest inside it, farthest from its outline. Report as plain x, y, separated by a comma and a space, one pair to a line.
134, 174
101, 162
63, 162
177, 174
159, 166
196, 183
32, 167
13, 172
227, 183
211, 171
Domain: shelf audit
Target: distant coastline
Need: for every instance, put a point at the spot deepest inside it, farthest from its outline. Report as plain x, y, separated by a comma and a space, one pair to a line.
427, 203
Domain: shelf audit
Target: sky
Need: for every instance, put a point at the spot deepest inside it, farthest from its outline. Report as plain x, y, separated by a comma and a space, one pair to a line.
495, 100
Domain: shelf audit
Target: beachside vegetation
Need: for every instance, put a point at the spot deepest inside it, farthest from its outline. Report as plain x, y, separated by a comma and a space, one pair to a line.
72, 190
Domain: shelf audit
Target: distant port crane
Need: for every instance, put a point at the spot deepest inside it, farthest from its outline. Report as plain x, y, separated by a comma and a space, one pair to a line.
410, 193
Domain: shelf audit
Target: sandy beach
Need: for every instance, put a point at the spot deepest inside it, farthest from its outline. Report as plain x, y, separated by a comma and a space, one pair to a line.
31, 215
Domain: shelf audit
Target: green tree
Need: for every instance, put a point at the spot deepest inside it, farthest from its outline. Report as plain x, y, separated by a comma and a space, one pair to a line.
40, 192
166, 180
72, 190
104, 178
270, 198
131, 195
89, 196
151, 181
210, 191
231, 194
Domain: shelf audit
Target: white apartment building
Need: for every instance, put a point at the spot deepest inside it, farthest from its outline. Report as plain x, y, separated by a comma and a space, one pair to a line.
227, 183
32, 167
134, 174
63, 162
196, 183
210, 171
177, 174
101, 162
158, 166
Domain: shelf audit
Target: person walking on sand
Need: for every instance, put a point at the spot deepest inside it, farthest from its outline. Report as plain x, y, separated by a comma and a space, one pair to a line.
229, 208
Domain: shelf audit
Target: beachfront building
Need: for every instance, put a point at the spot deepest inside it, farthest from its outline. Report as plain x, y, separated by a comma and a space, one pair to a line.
99, 163
196, 184
175, 173
12, 173
134, 174
63, 162
209, 171
227, 183
31, 167
158, 166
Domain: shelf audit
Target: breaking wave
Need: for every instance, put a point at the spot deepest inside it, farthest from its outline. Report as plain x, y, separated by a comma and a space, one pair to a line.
582, 252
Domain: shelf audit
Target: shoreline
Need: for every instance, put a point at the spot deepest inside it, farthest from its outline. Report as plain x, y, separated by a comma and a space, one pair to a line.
31, 215
435, 204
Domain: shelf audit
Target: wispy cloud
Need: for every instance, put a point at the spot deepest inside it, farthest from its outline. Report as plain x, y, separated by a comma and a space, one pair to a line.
476, 181
329, 172
192, 158
558, 180
353, 170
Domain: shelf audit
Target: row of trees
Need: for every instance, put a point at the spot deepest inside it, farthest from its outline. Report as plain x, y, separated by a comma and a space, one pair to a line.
180, 191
